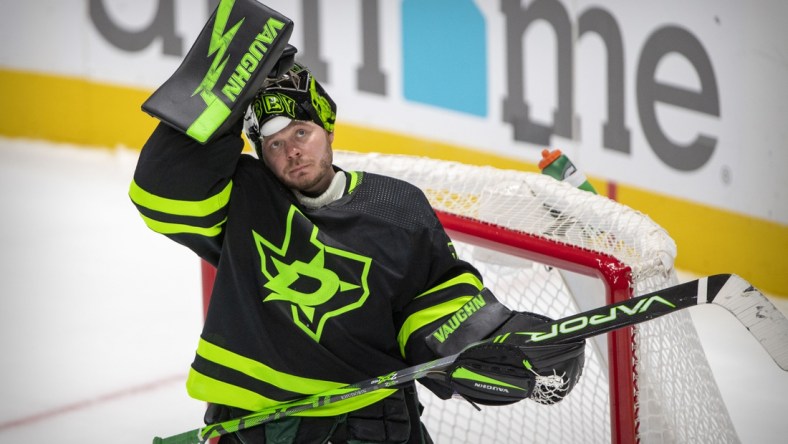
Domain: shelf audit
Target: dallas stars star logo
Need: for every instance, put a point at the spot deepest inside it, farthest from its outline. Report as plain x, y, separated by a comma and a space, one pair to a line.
318, 281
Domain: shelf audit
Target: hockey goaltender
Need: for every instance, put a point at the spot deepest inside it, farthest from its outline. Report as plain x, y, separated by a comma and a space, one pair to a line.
324, 277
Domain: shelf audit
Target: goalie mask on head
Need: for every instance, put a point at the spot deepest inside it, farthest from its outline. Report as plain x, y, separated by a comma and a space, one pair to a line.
296, 95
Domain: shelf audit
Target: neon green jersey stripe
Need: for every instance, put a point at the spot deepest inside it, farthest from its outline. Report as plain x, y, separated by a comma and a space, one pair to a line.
205, 388
262, 372
464, 278
198, 208
424, 317
170, 228
354, 176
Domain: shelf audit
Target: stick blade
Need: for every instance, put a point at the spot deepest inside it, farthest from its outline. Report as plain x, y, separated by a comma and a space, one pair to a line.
767, 324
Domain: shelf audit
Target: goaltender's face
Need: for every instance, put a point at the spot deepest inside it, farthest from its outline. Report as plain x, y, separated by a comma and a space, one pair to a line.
300, 156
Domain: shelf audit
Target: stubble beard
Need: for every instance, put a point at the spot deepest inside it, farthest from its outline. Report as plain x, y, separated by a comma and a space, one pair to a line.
317, 180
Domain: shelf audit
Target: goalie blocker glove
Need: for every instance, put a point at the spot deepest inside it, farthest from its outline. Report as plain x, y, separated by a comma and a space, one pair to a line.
243, 44
498, 373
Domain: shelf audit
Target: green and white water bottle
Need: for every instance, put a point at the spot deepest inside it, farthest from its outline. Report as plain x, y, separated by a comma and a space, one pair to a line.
555, 164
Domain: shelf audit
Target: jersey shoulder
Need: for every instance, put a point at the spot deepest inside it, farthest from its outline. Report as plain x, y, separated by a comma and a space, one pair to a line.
395, 200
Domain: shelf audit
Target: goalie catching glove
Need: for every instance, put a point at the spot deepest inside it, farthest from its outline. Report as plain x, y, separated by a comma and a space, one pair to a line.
500, 372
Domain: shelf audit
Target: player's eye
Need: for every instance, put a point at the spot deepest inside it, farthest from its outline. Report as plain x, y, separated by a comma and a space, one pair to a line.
275, 145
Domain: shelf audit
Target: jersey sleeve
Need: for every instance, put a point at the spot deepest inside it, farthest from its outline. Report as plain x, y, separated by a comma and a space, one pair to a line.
450, 293
447, 295
453, 311
182, 188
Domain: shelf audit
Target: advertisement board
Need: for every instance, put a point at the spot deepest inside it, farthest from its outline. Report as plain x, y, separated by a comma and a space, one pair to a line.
679, 106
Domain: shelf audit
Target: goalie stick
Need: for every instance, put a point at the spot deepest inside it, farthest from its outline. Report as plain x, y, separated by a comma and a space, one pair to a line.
764, 321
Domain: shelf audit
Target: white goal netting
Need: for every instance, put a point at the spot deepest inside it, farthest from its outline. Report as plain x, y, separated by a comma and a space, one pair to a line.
663, 393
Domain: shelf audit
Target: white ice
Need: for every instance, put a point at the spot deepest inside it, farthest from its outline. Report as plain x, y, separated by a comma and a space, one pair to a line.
100, 317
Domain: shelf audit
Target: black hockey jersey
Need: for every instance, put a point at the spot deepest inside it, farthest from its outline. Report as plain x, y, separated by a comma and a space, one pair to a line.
305, 300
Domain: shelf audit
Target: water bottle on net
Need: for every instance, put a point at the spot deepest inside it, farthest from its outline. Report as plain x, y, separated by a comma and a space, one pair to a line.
557, 165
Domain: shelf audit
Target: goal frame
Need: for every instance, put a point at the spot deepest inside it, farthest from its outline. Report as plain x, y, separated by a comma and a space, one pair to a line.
616, 277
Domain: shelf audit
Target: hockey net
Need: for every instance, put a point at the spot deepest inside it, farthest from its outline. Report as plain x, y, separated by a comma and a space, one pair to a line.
546, 247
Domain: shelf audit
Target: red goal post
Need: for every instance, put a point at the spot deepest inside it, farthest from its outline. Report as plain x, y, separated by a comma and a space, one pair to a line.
615, 277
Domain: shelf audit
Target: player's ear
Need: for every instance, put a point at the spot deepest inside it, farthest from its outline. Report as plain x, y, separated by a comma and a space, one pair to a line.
331, 138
